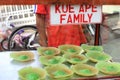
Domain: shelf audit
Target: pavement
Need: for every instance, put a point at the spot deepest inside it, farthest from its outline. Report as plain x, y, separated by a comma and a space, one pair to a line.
112, 45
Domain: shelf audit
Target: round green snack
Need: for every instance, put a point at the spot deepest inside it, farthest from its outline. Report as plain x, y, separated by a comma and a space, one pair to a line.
96, 56
92, 48
101, 58
51, 60
84, 70
111, 68
74, 59
71, 50
59, 71
32, 76
22, 56
32, 73
48, 51
95, 48
67, 48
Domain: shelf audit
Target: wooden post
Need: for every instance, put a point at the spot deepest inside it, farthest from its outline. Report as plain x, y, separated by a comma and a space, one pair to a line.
97, 35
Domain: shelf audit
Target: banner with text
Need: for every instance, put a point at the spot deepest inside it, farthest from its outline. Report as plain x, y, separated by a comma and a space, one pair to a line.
75, 14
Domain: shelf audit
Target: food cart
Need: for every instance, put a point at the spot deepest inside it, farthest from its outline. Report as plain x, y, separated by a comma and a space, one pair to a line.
9, 67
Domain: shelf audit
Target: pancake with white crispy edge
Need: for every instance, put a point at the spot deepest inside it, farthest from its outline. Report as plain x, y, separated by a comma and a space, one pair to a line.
84, 70
32, 73
91, 48
75, 59
96, 56
59, 71
110, 68
72, 49
48, 51
22, 56
51, 60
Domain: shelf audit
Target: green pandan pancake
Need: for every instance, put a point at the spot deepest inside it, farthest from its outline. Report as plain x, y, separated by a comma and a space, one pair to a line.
96, 48
85, 71
48, 52
101, 58
59, 73
76, 59
111, 68
23, 57
32, 76
71, 50
53, 61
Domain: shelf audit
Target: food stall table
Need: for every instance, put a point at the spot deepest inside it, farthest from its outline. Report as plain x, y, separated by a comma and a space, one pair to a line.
9, 68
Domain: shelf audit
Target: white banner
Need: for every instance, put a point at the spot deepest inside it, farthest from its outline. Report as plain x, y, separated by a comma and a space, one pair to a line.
75, 14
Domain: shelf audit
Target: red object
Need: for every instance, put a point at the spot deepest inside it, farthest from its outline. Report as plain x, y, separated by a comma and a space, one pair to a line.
91, 2
65, 34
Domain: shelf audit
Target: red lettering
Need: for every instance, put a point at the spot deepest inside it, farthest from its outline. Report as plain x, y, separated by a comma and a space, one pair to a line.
57, 9
90, 17
94, 8
81, 8
76, 18
65, 8
80, 17
84, 21
87, 7
62, 17
69, 19
71, 9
